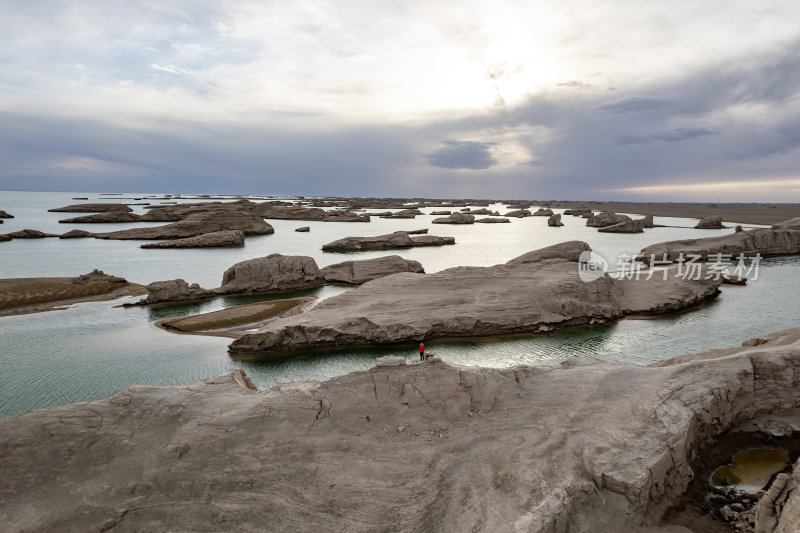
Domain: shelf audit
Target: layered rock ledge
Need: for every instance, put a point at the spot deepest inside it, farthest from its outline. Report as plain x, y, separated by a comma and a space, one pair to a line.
521, 296
359, 272
398, 239
206, 240
582, 446
764, 241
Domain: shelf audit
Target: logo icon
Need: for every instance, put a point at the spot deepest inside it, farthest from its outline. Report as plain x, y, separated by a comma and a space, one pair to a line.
591, 266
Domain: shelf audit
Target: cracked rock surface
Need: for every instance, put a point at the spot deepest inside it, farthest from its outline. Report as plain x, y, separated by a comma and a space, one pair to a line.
581, 446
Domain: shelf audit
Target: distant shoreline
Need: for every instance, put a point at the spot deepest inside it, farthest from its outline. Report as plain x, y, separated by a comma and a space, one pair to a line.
756, 213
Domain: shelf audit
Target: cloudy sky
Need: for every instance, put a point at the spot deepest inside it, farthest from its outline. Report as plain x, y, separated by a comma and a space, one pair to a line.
565, 99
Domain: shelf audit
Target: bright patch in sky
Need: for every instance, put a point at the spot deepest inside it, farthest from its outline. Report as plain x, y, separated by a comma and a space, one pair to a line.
535, 98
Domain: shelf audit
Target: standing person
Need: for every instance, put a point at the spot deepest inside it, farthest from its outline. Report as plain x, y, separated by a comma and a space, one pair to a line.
421, 352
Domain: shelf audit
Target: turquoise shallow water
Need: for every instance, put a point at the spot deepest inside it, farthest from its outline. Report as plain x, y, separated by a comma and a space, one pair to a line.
91, 350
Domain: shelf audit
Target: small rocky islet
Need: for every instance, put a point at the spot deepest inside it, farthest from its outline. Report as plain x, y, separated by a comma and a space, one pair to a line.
579, 445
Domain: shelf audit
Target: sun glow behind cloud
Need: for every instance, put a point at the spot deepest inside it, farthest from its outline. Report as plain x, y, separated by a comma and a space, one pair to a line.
531, 94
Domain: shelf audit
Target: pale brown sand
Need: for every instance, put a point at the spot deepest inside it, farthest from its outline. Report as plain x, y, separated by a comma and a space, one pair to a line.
743, 213
32, 295
224, 323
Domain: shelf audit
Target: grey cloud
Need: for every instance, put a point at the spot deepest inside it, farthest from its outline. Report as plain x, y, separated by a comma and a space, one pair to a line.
634, 104
676, 135
574, 83
470, 155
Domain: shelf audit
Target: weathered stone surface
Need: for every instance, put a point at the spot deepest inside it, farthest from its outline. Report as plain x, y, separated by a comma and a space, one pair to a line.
398, 239
206, 240
568, 251
91, 208
115, 215
648, 221
585, 212
273, 273
714, 222
606, 219
455, 218
583, 446
778, 511
481, 211
99, 275
763, 241
29, 234
268, 210
793, 223
390, 361
358, 272
543, 212
473, 302
629, 226
518, 213
197, 224
304, 229
76, 234
175, 290
3, 214
555, 220
440, 213
492, 220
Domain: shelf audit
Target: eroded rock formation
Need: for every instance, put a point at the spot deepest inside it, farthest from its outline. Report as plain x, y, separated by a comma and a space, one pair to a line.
455, 218
273, 273
580, 446
629, 226
197, 224
714, 222
474, 302
206, 240
606, 219
764, 241
398, 239
358, 272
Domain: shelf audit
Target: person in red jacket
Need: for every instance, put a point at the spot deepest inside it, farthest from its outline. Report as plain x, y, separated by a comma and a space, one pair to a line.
421, 352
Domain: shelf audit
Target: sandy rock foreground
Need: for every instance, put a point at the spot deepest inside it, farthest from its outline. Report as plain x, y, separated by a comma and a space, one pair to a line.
582, 446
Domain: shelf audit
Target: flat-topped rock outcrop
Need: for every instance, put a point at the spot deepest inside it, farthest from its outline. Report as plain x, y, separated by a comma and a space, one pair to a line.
518, 213
629, 226
206, 240
3, 214
358, 272
455, 218
91, 208
492, 220
398, 239
714, 222
273, 273
115, 215
175, 290
196, 224
267, 210
581, 445
764, 241
473, 302
28, 234
543, 212
606, 219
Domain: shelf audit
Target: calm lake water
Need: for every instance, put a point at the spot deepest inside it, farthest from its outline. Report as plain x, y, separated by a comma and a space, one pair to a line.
92, 350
